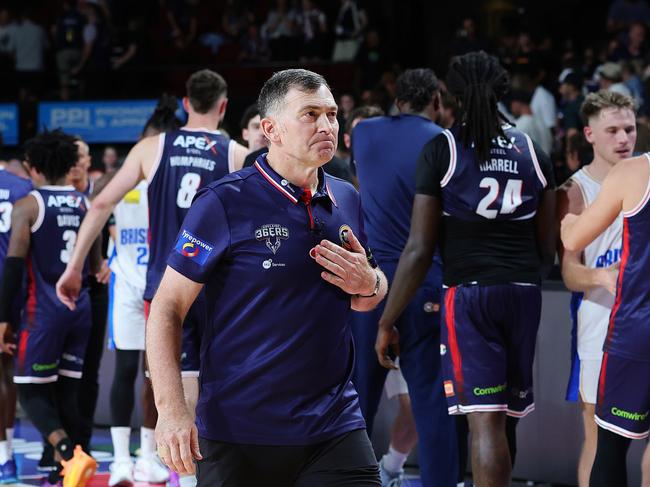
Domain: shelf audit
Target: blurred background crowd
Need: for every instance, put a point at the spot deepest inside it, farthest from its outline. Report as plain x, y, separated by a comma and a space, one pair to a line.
556, 52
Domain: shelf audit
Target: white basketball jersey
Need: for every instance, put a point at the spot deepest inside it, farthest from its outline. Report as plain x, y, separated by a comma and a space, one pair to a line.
131, 246
593, 313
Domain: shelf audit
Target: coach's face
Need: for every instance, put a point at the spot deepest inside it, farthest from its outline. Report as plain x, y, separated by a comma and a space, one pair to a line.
306, 128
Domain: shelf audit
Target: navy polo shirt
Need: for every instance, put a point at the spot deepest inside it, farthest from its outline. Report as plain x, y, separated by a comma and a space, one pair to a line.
386, 152
277, 352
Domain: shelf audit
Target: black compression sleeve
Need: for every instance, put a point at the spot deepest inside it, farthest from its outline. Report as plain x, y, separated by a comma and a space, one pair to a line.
12, 279
432, 166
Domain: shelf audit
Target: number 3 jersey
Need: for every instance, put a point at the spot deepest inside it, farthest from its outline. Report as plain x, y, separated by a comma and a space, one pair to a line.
61, 210
12, 188
489, 207
188, 159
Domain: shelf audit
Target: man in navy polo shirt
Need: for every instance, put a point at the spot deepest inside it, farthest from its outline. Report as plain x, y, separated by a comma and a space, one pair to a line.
386, 151
276, 248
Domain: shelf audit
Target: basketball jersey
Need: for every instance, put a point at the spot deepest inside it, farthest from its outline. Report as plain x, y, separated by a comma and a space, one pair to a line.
628, 334
12, 188
61, 210
131, 246
489, 208
188, 159
605, 250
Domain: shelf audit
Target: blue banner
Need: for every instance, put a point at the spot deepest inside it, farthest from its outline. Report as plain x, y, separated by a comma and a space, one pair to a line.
9, 123
99, 121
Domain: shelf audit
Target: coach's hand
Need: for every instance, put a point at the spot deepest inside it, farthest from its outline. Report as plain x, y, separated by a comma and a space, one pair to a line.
68, 287
387, 339
347, 269
178, 442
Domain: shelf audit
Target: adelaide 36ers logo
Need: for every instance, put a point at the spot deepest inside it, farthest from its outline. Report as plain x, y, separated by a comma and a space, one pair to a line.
273, 234
344, 236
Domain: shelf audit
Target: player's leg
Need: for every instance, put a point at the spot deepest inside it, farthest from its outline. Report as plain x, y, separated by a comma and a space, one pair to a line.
94, 350
588, 452
8, 472
368, 375
420, 362
462, 438
491, 463
645, 468
621, 414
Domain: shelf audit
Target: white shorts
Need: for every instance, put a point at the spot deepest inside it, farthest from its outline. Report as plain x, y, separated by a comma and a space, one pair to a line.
126, 318
589, 375
395, 384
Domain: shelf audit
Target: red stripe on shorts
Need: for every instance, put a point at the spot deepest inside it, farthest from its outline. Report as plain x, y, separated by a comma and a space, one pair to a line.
601, 379
453, 341
22, 350
147, 309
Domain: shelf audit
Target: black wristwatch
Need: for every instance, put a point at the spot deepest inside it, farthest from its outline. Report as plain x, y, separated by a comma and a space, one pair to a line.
374, 291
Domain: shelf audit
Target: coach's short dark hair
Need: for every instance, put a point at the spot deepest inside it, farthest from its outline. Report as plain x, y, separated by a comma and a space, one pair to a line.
204, 88
276, 88
416, 87
52, 153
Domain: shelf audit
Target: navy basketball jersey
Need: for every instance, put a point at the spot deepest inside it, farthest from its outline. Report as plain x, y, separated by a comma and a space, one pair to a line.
12, 188
489, 207
628, 334
188, 159
61, 210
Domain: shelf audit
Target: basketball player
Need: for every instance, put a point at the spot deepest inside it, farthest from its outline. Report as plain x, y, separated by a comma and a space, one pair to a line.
386, 174
175, 165
610, 128
52, 340
623, 399
126, 318
490, 189
12, 188
252, 134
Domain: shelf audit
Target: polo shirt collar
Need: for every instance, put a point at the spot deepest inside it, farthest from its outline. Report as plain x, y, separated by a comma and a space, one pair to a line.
289, 190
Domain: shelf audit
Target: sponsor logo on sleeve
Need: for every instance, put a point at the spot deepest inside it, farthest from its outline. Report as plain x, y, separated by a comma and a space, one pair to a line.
193, 248
449, 388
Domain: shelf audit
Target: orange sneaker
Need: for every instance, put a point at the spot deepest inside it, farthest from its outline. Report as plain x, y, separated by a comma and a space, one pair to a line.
79, 469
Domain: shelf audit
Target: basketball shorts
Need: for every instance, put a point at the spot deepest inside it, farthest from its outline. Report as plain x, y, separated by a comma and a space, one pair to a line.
488, 346
192, 326
589, 373
126, 317
53, 343
623, 405
395, 384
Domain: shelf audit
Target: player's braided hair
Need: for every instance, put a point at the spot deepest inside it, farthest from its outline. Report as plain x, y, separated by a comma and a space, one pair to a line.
478, 81
163, 118
52, 153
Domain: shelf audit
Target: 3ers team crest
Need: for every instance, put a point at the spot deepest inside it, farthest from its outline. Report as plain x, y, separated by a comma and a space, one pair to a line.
344, 236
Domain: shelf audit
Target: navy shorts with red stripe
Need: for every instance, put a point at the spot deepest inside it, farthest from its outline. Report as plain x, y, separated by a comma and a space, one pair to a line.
488, 347
623, 403
193, 324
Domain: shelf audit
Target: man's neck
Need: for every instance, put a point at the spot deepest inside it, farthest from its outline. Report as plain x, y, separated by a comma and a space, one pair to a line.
599, 168
202, 121
294, 171
426, 113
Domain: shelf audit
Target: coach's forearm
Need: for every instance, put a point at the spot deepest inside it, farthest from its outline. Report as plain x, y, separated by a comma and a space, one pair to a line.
90, 228
163, 348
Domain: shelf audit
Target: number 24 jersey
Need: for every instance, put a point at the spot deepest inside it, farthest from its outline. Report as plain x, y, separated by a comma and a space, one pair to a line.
489, 207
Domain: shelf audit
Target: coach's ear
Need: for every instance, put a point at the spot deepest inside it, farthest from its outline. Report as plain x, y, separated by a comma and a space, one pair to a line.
270, 128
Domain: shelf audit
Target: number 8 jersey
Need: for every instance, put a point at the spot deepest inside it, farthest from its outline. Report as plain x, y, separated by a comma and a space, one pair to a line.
187, 160
488, 232
61, 210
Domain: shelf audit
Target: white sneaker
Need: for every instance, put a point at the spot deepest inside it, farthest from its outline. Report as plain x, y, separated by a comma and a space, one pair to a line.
121, 472
150, 469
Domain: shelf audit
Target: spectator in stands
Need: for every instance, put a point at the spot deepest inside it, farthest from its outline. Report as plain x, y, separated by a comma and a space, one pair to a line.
467, 39
370, 59
622, 13
350, 25
279, 30
572, 98
543, 102
110, 160
234, 20
130, 45
182, 20
253, 46
68, 42
7, 40
30, 44
312, 24
95, 55
633, 83
610, 77
527, 122
632, 47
